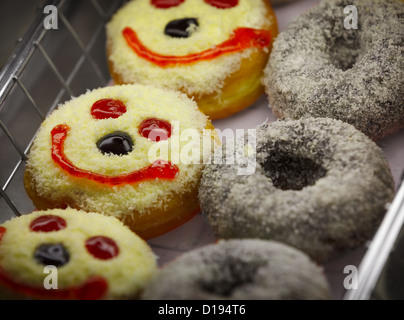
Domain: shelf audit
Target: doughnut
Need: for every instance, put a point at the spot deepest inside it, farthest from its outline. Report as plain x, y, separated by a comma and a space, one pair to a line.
212, 50
240, 269
92, 257
122, 151
318, 68
319, 185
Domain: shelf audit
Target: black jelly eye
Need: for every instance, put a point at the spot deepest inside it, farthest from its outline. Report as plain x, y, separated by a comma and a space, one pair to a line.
52, 254
179, 28
118, 143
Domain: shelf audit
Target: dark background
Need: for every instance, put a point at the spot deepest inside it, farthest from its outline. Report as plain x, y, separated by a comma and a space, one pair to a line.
15, 18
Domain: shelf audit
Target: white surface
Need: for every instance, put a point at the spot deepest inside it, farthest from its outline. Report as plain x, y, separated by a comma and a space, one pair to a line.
197, 233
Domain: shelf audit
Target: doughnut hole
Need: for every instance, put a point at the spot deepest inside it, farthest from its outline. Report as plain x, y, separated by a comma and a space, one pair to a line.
344, 46
230, 277
291, 172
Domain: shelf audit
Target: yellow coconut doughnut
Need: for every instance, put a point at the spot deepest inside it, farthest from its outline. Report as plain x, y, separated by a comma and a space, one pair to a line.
71, 254
212, 50
134, 152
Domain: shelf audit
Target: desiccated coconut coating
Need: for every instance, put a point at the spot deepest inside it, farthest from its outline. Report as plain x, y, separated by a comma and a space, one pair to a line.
319, 185
318, 68
240, 270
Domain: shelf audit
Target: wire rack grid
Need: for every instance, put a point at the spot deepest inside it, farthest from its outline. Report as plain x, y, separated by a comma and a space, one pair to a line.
47, 67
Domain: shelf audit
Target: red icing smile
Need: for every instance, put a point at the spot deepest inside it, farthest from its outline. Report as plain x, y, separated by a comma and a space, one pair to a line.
93, 288
2, 232
159, 169
241, 39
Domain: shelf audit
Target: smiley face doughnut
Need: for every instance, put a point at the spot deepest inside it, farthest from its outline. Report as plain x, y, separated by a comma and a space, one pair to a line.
212, 50
122, 151
93, 256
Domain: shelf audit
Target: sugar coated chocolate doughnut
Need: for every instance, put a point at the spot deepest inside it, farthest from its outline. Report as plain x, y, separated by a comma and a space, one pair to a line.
326, 65
122, 151
70, 254
319, 185
212, 50
240, 270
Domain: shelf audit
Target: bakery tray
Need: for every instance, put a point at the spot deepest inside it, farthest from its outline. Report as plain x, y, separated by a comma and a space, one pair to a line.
48, 66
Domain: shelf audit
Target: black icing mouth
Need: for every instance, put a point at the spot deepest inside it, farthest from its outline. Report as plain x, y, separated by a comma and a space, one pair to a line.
180, 28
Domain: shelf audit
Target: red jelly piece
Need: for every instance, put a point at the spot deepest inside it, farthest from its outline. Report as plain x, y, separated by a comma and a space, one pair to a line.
2, 232
241, 39
162, 169
93, 289
107, 108
164, 4
101, 247
155, 129
222, 4
47, 223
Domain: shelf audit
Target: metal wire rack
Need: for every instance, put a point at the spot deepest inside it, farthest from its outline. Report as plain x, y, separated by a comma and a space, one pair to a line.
47, 67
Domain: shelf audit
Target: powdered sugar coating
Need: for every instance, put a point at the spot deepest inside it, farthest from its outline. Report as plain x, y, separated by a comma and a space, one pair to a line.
338, 209
319, 68
240, 270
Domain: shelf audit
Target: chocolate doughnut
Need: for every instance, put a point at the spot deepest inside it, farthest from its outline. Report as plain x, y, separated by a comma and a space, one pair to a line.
240, 270
321, 66
319, 185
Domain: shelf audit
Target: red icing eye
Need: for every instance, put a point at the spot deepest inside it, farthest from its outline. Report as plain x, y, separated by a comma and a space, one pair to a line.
107, 108
47, 223
2, 232
101, 247
222, 4
155, 129
164, 4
